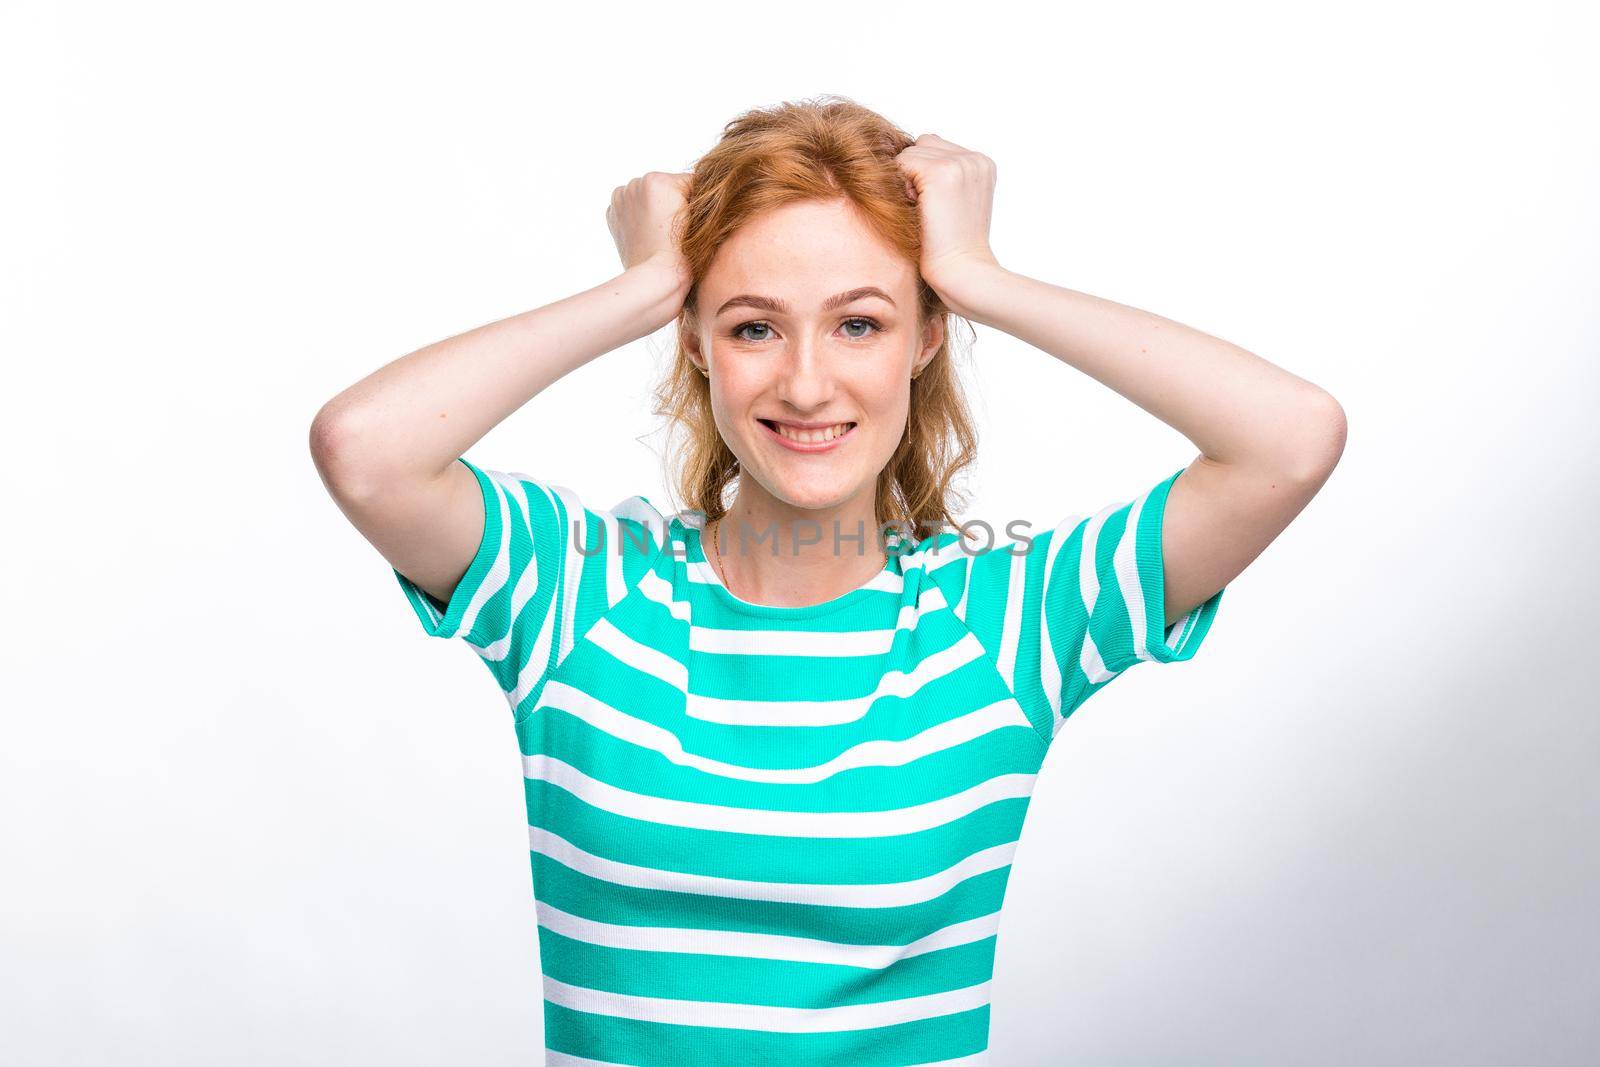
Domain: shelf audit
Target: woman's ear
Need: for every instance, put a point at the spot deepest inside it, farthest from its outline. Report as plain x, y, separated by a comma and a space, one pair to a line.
689, 341
932, 338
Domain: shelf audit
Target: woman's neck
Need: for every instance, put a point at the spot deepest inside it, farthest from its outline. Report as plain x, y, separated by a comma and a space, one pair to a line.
783, 556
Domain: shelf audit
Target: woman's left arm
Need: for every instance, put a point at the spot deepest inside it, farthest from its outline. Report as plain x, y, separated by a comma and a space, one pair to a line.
1268, 439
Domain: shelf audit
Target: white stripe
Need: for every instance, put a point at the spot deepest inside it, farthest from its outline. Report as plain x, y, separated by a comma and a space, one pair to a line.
639, 509
735, 711
1002, 714
1184, 626
564, 1059
537, 663
835, 895
616, 584
962, 548
1126, 563
1011, 619
637, 655
1089, 659
790, 642
966, 587
1089, 662
772, 822
552, 1058
750, 945
930, 598
499, 571
574, 531
1049, 667
946, 547
768, 1018
528, 580
435, 616
658, 589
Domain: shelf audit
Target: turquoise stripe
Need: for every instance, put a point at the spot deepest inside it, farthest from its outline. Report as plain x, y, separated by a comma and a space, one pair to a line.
1152, 578
650, 1044
783, 983
628, 766
771, 858
603, 901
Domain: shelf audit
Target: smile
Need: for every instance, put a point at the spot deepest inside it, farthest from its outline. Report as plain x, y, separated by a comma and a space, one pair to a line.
819, 440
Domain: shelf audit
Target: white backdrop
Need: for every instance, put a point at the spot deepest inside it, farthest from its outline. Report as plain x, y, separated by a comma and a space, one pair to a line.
252, 815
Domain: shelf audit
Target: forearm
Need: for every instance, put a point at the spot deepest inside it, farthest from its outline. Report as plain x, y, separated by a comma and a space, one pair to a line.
414, 416
1236, 407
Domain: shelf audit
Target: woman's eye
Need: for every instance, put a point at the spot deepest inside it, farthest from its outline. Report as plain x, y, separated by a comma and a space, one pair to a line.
856, 328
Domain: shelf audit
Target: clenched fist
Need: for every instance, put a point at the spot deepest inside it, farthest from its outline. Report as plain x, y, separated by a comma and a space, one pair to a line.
954, 191
642, 217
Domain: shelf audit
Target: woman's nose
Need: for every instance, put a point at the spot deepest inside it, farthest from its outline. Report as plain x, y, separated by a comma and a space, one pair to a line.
806, 379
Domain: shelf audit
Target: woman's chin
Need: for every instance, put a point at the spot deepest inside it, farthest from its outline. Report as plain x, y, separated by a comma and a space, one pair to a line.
812, 490
815, 497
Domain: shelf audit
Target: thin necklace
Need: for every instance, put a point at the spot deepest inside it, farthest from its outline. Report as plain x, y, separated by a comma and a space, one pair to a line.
718, 552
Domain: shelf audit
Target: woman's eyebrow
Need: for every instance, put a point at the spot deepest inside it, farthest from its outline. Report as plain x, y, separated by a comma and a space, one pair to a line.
778, 307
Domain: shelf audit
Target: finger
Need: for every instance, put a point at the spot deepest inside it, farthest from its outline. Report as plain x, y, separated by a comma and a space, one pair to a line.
939, 145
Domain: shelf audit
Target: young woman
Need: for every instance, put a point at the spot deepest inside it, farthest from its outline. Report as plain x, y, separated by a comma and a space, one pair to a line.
777, 764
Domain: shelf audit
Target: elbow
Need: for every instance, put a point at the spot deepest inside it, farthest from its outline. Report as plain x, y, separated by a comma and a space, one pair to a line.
1320, 441
335, 442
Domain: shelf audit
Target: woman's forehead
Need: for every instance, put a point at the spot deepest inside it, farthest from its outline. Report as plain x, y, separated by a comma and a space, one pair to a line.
804, 253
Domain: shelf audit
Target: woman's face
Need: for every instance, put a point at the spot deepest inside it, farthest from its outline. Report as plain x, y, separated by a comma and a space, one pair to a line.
808, 318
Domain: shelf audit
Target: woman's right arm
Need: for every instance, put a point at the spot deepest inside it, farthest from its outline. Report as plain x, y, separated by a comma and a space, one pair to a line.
386, 447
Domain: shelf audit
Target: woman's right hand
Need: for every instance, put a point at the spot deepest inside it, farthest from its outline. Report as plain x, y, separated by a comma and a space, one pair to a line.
642, 217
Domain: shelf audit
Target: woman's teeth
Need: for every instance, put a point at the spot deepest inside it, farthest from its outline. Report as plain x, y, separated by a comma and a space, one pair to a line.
811, 436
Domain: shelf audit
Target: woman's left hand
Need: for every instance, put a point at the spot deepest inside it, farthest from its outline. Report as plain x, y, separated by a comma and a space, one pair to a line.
954, 191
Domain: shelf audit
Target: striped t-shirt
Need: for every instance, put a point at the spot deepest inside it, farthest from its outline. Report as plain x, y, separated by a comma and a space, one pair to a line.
782, 835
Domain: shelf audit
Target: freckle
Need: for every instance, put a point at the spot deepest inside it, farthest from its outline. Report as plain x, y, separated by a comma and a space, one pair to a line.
1142, 349
444, 414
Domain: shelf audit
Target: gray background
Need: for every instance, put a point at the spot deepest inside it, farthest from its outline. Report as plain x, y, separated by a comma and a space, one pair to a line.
252, 815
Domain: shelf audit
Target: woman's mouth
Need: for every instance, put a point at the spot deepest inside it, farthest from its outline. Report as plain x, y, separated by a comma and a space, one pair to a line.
820, 439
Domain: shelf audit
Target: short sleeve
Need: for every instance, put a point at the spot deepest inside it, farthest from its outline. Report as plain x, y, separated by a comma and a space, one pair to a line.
1077, 606
545, 569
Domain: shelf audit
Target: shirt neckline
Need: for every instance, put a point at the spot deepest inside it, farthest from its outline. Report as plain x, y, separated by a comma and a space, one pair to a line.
691, 531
